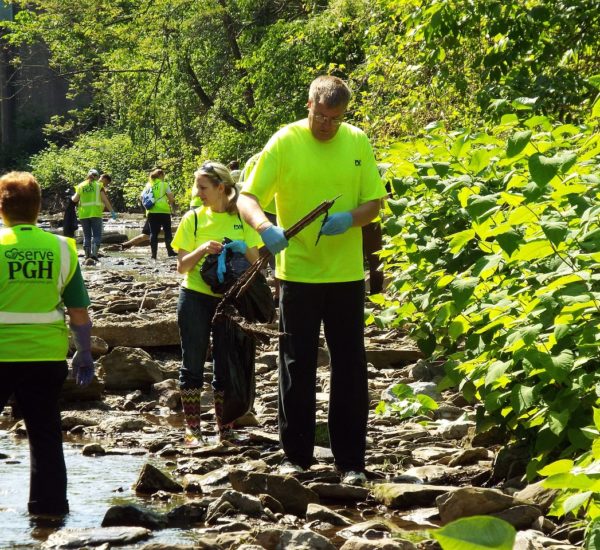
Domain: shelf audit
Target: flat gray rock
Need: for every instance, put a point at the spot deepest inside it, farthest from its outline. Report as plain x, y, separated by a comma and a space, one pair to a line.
79, 538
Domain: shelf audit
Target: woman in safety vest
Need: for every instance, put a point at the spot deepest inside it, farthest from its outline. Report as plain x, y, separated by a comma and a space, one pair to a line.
39, 277
159, 215
199, 234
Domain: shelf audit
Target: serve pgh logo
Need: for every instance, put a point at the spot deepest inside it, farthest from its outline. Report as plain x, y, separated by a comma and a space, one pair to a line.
29, 264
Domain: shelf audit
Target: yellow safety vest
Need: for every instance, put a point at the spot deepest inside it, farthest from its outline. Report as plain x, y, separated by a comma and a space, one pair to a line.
35, 267
90, 201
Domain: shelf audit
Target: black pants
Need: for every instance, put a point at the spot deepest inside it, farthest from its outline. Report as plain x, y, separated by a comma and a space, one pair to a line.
372, 243
157, 222
340, 306
36, 387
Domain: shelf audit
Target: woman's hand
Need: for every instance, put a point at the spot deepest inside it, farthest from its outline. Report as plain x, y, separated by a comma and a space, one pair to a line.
186, 261
210, 247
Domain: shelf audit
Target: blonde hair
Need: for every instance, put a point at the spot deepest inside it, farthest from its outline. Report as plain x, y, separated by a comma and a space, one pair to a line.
20, 197
219, 173
330, 90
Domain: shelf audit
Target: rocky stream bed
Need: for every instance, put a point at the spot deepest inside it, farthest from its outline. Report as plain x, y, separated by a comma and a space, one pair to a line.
422, 472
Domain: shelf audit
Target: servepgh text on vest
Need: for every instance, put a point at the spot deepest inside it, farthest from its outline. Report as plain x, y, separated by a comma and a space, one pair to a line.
29, 264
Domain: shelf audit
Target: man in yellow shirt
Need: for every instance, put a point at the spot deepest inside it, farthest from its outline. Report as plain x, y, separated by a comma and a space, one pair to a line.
303, 164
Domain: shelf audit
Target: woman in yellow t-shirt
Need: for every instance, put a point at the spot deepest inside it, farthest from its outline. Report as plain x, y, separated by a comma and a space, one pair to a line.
199, 234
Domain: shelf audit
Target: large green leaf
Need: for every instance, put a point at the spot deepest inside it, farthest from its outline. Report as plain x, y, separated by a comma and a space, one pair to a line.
459, 240
557, 421
478, 206
543, 169
398, 206
522, 397
555, 231
479, 160
462, 289
476, 533
509, 241
517, 142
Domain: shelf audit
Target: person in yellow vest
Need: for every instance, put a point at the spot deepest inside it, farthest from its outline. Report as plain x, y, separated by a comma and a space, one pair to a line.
92, 198
39, 277
159, 215
322, 282
199, 234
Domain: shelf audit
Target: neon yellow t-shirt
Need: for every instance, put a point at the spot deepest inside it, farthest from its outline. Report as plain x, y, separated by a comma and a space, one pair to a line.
245, 174
301, 172
212, 226
160, 188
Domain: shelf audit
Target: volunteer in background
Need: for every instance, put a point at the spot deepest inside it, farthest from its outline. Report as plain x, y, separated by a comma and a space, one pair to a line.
159, 215
92, 198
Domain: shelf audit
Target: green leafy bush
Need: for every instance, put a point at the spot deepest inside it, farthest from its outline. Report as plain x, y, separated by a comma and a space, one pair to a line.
494, 253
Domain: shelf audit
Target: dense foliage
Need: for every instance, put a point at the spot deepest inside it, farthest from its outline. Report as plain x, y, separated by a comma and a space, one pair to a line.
190, 80
488, 113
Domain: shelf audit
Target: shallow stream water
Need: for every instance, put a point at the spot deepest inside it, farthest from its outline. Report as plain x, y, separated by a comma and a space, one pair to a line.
95, 484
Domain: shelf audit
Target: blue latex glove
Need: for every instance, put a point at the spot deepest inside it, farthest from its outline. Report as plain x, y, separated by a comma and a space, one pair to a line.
274, 239
82, 363
337, 223
221, 266
237, 246
113, 215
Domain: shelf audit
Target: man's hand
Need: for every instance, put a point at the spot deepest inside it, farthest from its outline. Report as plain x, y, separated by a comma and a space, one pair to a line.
274, 239
113, 214
337, 223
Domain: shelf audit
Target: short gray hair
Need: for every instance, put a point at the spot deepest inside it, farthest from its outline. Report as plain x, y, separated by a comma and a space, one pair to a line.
330, 90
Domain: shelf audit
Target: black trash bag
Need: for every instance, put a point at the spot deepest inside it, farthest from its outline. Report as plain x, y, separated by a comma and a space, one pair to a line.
256, 305
235, 263
235, 351
70, 222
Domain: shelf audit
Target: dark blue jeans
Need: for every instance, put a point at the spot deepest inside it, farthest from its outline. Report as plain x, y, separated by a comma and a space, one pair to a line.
92, 235
340, 307
194, 316
36, 387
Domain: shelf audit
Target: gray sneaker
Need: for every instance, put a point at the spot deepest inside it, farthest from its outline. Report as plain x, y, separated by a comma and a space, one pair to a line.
353, 478
287, 468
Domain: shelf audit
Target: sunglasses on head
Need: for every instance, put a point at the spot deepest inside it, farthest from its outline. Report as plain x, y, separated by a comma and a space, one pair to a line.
210, 169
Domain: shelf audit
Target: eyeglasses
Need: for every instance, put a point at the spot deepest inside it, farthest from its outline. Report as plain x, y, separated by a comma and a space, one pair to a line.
322, 119
210, 169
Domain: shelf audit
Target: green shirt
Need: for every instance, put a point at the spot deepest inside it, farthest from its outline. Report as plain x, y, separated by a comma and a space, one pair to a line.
210, 226
301, 172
